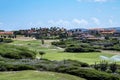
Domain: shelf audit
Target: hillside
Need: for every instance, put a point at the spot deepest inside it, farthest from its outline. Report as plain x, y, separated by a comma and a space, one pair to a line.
36, 75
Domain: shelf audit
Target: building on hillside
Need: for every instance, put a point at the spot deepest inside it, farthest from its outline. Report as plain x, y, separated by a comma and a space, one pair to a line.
108, 32
74, 32
116, 34
101, 32
7, 34
95, 31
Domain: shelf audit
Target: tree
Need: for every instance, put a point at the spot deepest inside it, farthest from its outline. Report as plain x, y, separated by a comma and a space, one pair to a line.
42, 40
41, 53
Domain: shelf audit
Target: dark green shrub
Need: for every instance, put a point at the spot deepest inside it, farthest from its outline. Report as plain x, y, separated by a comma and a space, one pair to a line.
41, 53
19, 67
80, 49
3, 66
40, 67
103, 65
7, 40
59, 44
87, 73
76, 63
113, 67
1, 39
42, 41
96, 66
24, 67
16, 52
108, 71
11, 55
118, 71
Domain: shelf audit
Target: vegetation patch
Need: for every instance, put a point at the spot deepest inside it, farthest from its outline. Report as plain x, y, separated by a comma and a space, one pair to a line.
6, 40
37, 75
65, 66
16, 52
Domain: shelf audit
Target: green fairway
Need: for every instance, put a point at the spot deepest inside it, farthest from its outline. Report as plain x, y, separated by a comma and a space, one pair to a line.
36, 75
84, 57
54, 53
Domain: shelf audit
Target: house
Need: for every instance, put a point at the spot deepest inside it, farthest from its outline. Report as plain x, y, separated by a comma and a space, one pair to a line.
95, 31
116, 34
6, 34
108, 32
101, 32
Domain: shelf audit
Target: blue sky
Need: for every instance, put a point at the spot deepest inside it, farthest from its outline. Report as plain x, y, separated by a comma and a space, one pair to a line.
24, 14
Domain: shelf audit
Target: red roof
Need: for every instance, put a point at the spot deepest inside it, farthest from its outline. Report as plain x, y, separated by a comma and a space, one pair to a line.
6, 33
108, 31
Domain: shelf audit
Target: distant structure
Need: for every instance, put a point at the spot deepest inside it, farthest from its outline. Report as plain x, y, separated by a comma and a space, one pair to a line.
6, 34
102, 32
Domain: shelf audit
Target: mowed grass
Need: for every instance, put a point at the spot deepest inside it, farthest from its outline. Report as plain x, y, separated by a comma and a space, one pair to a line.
36, 75
89, 58
54, 53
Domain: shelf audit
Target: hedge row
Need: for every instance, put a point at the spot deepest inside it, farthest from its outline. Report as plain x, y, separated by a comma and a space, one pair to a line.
81, 49
87, 73
66, 66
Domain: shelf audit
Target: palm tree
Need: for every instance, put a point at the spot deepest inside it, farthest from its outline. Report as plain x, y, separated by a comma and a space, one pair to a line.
41, 53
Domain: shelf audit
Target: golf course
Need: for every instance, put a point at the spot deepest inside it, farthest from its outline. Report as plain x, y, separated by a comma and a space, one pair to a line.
56, 53
36, 75
52, 53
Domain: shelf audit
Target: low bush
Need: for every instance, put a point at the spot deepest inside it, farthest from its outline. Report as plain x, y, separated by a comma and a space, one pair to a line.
7, 40
24, 67
16, 52
67, 66
81, 49
59, 44
3, 66
87, 73
75, 63
19, 67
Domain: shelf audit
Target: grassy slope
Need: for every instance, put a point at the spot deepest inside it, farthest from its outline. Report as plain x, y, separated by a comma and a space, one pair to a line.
35, 75
56, 54
84, 57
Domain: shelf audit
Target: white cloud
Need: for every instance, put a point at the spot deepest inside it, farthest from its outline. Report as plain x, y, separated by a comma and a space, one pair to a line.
62, 22
80, 22
110, 21
51, 22
68, 23
33, 24
96, 20
59, 22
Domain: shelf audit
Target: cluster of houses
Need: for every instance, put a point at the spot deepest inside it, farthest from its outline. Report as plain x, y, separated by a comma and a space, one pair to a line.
91, 34
94, 34
7, 34
43, 32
